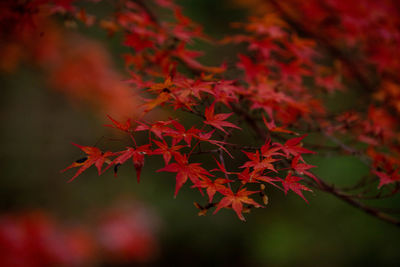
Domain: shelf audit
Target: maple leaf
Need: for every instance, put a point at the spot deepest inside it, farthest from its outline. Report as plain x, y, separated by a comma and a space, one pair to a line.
380, 123
158, 128
212, 186
265, 46
293, 147
164, 94
385, 178
251, 69
303, 49
258, 163
301, 168
221, 168
195, 87
273, 128
117, 125
182, 99
166, 86
235, 200
218, 120
137, 41
291, 183
137, 155
184, 170
255, 176
188, 57
166, 151
94, 157
182, 133
293, 71
158, 101
268, 150
225, 91
185, 29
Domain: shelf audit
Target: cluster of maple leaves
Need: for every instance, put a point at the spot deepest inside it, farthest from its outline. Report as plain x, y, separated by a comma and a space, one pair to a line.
170, 139
296, 54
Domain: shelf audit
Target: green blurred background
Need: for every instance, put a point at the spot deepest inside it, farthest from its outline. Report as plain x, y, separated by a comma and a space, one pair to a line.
39, 124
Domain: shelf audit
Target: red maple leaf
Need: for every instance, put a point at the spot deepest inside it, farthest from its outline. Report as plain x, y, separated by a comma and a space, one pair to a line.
252, 70
182, 133
302, 168
218, 120
121, 126
235, 200
212, 186
137, 155
166, 151
221, 168
293, 71
293, 147
291, 183
158, 128
188, 57
94, 157
184, 170
226, 91
268, 150
195, 87
259, 163
265, 46
273, 128
138, 42
385, 178
255, 176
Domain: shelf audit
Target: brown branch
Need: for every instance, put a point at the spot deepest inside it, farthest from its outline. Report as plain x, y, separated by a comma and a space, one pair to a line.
376, 212
361, 183
378, 195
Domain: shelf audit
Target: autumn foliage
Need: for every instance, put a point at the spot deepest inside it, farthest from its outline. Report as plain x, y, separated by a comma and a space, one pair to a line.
297, 55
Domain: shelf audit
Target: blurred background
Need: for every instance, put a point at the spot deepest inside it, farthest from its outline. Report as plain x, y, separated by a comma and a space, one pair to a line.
107, 221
